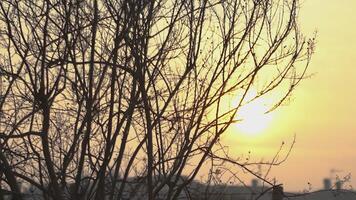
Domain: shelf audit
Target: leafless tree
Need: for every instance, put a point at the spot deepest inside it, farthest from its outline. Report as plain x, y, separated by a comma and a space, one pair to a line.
96, 91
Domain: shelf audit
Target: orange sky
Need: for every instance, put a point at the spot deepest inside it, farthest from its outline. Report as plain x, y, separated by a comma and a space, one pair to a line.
323, 108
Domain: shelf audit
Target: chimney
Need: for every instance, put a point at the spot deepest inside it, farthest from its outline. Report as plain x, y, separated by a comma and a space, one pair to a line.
277, 193
254, 183
327, 184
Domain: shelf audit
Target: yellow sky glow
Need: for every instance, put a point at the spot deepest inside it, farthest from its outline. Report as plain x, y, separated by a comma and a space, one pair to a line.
322, 110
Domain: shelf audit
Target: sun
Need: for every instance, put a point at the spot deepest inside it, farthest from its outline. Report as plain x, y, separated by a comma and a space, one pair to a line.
254, 121
252, 118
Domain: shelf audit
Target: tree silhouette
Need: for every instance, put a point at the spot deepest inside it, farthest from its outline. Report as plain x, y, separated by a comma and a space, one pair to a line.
95, 91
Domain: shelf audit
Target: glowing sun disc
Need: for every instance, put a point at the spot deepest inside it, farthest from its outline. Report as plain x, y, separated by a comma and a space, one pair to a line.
253, 120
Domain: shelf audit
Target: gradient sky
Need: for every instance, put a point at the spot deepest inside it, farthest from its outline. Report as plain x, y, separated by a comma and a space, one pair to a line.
322, 111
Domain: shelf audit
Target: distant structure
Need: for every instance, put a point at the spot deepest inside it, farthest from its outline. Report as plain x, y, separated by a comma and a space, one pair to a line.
329, 192
277, 193
327, 184
338, 185
254, 183
327, 195
136, 190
